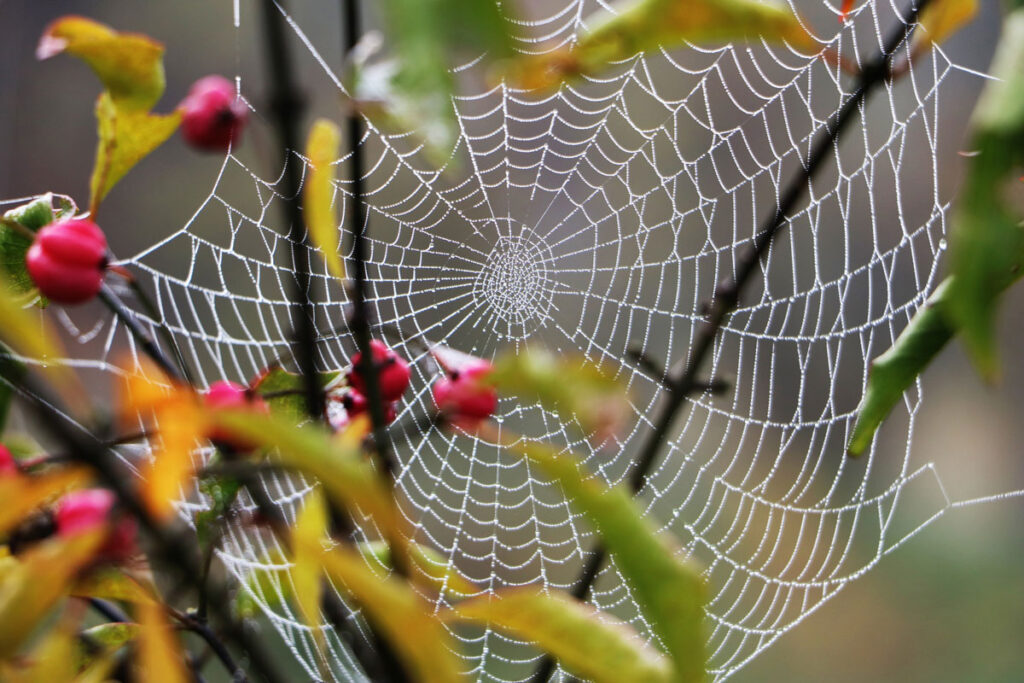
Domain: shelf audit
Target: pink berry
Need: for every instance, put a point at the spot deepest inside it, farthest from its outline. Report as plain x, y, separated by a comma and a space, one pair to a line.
7, 465
82, 511
356, 404
392, 372
465, 398
212, 115
231, 395
67, 260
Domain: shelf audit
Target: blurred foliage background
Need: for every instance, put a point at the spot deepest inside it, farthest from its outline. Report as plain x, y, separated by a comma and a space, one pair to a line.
945, 607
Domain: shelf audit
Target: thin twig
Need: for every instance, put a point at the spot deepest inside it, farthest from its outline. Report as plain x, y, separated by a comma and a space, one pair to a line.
149, 347
685, 382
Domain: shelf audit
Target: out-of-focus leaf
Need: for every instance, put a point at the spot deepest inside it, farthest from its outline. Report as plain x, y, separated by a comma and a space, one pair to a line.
23, 495
130, 65
894, 371
159, 649
987, 242
30, 590
222, 492
322, 221
34, 339
942, 18
53, 659
433, 569
570, 385
283, 391
99, 671
400, 614
6, 393
669, 589
112, 583
113, 635
127, 136
308, 536
589, 645
644, 25
181, 421
347, 476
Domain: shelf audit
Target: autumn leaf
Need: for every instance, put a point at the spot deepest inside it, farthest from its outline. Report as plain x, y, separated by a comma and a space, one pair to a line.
308, 536
941, 19
404, 618
322, 222
53, 659
41, 577
113, 583
129, 65
641, 26
126, 136
23, 495
159, 649
590, 645
431, 569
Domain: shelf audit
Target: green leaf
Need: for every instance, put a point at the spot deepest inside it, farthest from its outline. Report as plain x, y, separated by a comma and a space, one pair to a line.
669, 589
987, 242
646, 25
110, 637
588, 644
126, 136
570, 385
113, 583
32, 588
431, 568
130, 65
322, 222
895, 371
400, 614
284, 392
14, 241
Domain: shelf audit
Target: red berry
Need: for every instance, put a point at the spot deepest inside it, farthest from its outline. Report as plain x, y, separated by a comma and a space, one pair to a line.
7, 465
356, 404
231, 395
212, 115
392, 372
82, 511
67, 260
465, 398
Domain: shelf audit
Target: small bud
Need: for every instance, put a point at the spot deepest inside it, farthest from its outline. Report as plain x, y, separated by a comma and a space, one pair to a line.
88, 510
229, 395
464, 397
67, 260
212, 115
392, 372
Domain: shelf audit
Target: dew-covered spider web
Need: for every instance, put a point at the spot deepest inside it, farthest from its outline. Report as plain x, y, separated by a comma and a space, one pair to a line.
597, 220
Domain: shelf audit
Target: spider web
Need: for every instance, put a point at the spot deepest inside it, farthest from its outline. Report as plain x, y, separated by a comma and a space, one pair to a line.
597, 220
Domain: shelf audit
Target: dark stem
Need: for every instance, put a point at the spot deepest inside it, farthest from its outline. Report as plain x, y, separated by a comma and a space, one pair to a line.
287, 104
165, 333
684, 383
199, 627
149, 347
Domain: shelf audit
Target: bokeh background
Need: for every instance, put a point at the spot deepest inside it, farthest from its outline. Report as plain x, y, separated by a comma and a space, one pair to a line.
945, 607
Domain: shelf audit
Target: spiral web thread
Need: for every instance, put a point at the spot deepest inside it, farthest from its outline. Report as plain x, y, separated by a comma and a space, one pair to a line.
597, 220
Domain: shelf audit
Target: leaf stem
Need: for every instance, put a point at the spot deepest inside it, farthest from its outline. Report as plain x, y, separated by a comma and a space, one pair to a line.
684, 382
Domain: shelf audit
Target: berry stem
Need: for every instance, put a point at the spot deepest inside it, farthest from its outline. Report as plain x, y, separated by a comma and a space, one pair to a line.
684, 382
146, 343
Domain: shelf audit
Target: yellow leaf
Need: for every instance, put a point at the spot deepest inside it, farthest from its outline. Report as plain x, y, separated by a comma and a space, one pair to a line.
54, 659
419, 639
159, 649
32, 588
180, 421
113, 583
941, 19
321, 220
589, 645
22, 495
33, 338
645, 25
127, 136
428, 568
307, 576
130, 65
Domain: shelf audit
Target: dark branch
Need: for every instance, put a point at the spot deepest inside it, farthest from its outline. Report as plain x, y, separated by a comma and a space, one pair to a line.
683, 384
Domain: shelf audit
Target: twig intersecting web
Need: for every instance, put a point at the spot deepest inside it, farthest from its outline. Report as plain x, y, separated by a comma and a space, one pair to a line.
597, 220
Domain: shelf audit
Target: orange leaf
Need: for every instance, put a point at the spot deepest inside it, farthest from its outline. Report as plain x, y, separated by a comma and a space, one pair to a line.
22, 495
159, 650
